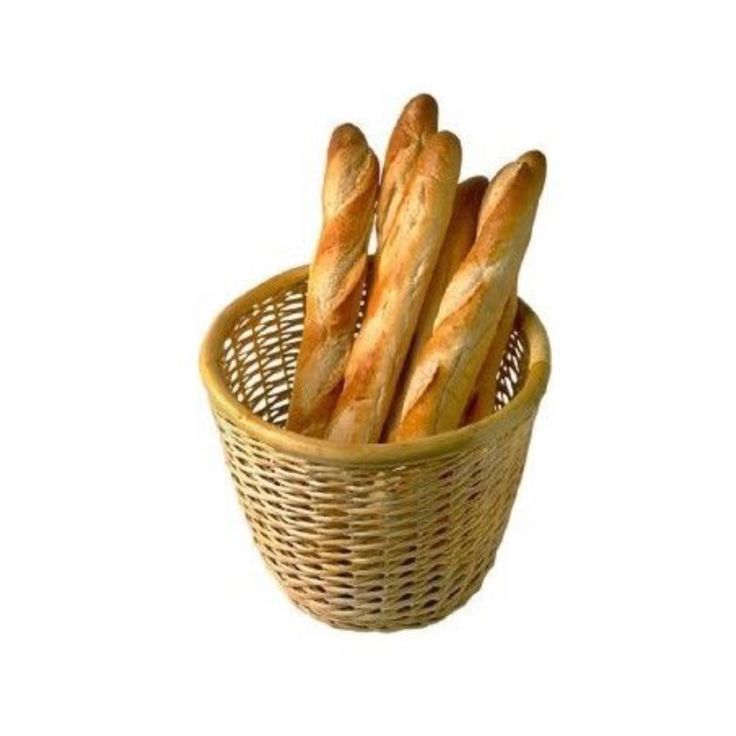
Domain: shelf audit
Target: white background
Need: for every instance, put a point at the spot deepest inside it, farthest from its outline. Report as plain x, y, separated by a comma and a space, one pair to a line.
158, 159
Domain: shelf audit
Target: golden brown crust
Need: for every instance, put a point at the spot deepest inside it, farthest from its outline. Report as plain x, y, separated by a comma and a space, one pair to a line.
418, 121
450, 361
397, 292
500, 181
459, 238
336, 279
483, 399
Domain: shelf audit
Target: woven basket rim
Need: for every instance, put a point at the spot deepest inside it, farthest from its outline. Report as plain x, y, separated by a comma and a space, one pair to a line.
326, 451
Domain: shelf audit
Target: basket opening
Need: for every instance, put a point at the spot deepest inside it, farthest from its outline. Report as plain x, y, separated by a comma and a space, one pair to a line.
258, 357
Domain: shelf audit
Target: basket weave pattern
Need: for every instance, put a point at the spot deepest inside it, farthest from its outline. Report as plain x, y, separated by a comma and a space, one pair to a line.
384, 538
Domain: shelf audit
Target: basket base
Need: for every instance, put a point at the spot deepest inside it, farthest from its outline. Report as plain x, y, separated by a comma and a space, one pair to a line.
412, 619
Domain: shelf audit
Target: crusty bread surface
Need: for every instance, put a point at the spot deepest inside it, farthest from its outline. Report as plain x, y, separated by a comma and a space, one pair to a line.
460, 236
448, 365
483, 399
397, 292
336, 280
417, 122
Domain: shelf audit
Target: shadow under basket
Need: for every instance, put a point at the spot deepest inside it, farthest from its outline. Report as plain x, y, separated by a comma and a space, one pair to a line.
379, 536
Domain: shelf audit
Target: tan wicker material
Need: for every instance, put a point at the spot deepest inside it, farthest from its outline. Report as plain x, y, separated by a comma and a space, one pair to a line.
365, 536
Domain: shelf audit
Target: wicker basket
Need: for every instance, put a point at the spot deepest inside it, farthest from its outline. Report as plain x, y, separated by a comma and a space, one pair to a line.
372, 536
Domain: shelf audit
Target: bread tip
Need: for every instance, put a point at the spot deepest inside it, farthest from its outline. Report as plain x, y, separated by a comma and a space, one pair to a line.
441, 156
536, 159
424, 101
449, 136
473, 182
346, 134
447, 142
534, 164
469, 195
420, 114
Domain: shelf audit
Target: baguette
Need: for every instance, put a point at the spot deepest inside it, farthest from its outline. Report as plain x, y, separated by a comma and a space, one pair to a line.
460, 236
450, 361
397, 293
336, 280
418, 121
483, 399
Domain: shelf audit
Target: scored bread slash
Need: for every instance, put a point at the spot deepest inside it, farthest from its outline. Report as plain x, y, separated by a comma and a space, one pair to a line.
336, 280
448, 365
418, 121
459, 238
399, 286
